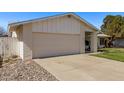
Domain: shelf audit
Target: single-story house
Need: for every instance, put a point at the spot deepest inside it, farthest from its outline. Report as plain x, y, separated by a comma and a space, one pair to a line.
54, 35
101, 39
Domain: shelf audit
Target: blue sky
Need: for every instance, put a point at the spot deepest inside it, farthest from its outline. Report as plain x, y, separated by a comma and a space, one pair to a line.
95, 18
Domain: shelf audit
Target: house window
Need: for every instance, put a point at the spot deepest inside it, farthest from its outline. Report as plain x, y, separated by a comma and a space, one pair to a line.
101, 41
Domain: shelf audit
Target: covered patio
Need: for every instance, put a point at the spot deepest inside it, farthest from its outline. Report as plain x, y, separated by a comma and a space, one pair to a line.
90, 40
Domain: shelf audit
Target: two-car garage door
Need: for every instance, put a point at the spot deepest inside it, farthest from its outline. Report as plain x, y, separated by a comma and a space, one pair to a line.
46, 44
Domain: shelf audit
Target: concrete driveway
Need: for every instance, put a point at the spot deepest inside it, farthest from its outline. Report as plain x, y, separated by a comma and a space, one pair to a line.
83, 67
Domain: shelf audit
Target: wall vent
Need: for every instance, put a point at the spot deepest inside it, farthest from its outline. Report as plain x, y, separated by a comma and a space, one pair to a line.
69, 16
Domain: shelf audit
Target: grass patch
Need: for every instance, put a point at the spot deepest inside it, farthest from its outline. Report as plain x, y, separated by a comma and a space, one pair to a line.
112, 53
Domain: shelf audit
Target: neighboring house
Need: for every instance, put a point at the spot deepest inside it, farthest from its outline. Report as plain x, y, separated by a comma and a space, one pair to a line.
101, 39
119, 42
5, 34
55, 35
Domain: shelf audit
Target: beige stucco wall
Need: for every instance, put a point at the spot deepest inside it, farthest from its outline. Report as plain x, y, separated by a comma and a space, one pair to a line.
20, 38
24, 35
27, 41
17, 32
82, 39
93, 42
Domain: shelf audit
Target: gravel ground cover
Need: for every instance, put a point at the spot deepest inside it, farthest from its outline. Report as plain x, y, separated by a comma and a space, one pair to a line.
25, 71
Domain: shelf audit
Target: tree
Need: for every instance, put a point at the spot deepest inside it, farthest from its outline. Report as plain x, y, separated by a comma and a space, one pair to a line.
113, 25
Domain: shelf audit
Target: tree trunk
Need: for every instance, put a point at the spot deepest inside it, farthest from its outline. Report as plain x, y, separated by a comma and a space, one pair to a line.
1, 61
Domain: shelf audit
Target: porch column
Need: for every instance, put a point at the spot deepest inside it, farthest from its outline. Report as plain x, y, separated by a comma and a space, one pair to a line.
93, 42
82, 41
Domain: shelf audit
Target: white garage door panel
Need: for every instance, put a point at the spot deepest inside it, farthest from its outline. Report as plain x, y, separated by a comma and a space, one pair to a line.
45, 45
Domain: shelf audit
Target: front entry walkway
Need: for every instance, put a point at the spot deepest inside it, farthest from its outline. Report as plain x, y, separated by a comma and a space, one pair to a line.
83, 67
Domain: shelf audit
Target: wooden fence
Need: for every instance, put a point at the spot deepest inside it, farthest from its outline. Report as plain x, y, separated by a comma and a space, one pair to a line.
8, 47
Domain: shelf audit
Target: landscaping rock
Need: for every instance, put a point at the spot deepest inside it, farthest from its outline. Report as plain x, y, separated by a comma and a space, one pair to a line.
24, 71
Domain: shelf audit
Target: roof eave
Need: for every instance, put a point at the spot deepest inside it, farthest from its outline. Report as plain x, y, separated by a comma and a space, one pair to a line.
46, 18
83, 20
